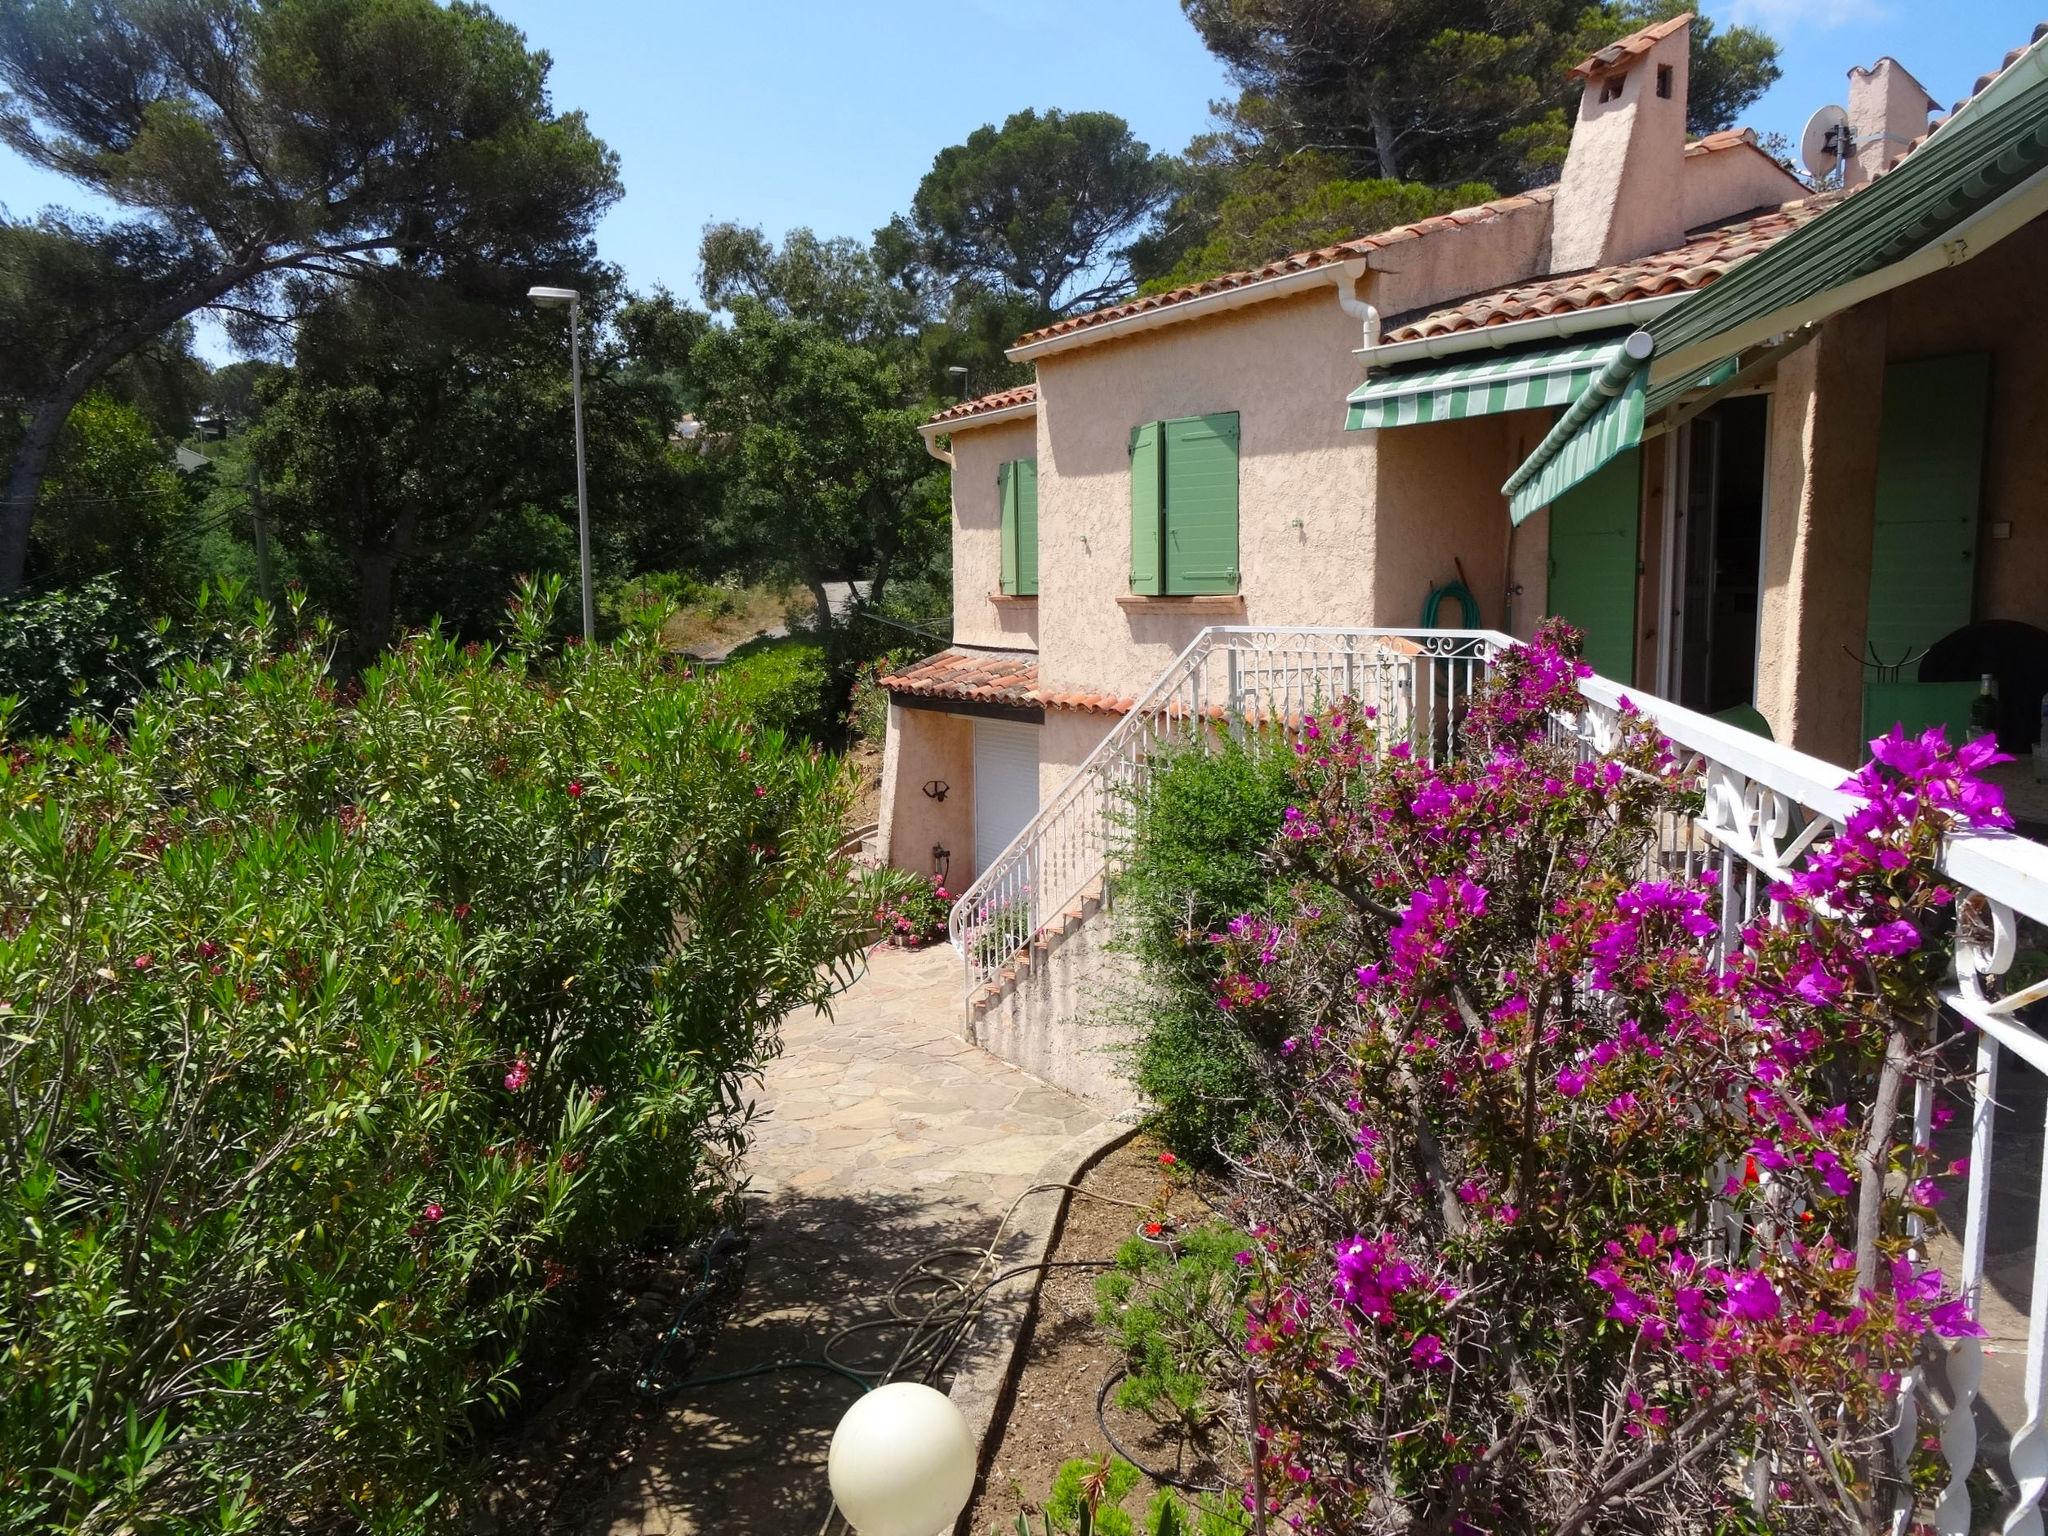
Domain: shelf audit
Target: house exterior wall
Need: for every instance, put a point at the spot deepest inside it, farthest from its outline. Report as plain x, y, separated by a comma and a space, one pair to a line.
1817, 535
1994, 304
927, 744
1285, 368
1728, 182
978, 538
1823, 467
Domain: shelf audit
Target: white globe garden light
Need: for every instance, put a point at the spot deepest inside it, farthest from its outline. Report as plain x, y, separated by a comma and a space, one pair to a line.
902, 1462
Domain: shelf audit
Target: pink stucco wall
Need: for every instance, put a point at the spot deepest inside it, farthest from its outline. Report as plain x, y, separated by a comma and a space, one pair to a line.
1732, 181
927, 744
978, 537
1823, 466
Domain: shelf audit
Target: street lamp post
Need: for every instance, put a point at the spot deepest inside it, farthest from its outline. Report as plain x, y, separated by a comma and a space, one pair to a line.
560, 298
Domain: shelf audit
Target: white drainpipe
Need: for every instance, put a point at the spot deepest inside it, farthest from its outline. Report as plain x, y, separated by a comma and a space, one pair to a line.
1350, 301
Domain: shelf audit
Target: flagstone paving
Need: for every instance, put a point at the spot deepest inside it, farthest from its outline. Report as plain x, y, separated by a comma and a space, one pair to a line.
886, 1135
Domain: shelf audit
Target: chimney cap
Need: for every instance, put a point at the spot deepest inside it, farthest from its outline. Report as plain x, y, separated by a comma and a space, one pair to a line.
1623, 52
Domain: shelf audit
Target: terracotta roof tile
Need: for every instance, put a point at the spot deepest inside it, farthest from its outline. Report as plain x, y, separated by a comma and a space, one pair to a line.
981, 405
1303, 261
1300, 261
1983, 84
1007, 678
1625, 51
1700, 261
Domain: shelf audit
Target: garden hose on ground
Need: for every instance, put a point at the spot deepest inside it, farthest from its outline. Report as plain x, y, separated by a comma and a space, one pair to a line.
1167, 1479
936, 1331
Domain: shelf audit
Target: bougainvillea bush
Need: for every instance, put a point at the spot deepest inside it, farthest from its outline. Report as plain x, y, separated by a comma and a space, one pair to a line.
339, 1028
1567, 1219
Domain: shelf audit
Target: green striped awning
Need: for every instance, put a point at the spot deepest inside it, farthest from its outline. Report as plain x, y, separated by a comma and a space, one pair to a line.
1614, 426
1452, 391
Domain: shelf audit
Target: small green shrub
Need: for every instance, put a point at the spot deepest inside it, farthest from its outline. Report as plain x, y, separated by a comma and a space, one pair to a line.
341, 1028
1177, 1312
783, 686
1198, 840
1085, 1495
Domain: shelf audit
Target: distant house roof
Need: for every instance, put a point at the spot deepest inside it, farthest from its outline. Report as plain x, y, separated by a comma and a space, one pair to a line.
1623, 52
1701, 260
985, 405
189, 459
1005, 678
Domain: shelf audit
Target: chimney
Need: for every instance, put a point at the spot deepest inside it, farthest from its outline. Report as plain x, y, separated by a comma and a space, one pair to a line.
1887, 111
1619, 196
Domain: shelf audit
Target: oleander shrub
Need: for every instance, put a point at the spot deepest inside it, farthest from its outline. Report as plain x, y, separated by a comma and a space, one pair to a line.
338, 1027
785, 686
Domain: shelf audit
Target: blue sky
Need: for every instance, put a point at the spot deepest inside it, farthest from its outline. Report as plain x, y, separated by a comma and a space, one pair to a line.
826, 114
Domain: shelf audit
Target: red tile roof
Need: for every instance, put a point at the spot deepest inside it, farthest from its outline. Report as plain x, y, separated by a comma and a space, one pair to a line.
1701, 260
1300, 261
1983, 83
981, 405
1007, 678
1625, 51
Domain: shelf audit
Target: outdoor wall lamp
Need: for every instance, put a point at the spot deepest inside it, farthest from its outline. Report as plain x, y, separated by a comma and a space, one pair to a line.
935, 789
942, 860
902, 1462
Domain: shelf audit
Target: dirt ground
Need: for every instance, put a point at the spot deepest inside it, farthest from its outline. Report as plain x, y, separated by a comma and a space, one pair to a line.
866, 758
702, 631
1065, 1357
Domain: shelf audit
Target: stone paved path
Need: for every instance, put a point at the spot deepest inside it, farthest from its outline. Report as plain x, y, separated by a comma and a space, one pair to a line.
887, 1135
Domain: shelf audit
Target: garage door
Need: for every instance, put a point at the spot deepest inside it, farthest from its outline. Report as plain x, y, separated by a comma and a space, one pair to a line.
1005, 785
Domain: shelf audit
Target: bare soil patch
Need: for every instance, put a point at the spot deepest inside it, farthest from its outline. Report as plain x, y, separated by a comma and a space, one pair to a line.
1049, 1416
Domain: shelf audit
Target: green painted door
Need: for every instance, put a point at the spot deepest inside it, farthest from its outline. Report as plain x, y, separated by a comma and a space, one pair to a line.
1923, 553
1593, 563
1930, 466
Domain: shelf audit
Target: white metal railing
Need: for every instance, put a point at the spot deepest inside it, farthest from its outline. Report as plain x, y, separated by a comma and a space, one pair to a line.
1764, 805
1417, 680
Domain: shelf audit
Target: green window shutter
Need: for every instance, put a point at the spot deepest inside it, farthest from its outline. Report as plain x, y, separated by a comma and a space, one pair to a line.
1024, 482
1930, 464
1593, 529
1148, 486
1201, 504
1006, 491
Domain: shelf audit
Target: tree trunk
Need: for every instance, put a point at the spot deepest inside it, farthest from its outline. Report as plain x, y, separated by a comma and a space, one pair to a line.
1383, 145
376, 573
823, 600
25, 484
47, 416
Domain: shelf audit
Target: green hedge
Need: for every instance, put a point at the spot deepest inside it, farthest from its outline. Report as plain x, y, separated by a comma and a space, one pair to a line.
337, 1029
1199, 835
785, 685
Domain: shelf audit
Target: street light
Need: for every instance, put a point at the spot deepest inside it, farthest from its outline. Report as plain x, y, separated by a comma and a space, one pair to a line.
566, 298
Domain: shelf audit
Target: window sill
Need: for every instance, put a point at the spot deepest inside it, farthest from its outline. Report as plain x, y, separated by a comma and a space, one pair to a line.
1014, 599
1213, 602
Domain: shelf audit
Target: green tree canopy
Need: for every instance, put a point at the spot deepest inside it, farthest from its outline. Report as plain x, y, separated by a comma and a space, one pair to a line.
1046, 206
1441, 91
1301, 204
268, 149
825, 478
421, 455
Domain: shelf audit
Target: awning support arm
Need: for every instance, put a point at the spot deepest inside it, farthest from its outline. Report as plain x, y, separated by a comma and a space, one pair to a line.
1614, 378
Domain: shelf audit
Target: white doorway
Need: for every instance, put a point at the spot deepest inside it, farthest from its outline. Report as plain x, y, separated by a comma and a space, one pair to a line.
1005, 785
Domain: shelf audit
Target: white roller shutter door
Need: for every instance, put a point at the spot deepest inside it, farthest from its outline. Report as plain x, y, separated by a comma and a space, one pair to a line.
1005, 785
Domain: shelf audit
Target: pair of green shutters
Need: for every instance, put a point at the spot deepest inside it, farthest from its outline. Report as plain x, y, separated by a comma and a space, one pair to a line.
1184, 506
1017, 481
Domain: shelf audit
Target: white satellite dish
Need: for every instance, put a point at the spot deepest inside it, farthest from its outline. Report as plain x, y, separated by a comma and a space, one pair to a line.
1825, 143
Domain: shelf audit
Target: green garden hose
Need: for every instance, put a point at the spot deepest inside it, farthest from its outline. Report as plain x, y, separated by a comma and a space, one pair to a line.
1468, 605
